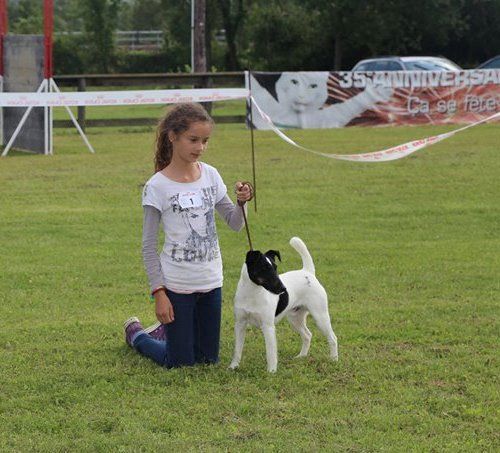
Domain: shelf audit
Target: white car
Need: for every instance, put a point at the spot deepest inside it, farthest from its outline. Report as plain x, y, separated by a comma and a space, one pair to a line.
406, 64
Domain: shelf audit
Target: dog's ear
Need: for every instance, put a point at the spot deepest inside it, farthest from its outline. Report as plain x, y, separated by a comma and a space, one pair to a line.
252, 256
273, 254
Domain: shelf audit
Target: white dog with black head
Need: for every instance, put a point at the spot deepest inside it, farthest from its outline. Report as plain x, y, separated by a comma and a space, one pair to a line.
263, 298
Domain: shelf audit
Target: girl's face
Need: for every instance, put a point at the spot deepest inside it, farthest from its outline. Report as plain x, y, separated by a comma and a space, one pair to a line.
188, 146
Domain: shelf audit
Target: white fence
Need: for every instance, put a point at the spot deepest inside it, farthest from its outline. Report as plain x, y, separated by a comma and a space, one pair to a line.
140, 39
133, 39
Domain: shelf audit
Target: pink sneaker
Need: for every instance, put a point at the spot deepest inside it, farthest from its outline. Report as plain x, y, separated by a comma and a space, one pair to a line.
157, 331
132, 327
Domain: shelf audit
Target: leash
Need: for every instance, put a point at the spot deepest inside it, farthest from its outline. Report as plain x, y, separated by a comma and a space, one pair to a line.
246, 226
242, 206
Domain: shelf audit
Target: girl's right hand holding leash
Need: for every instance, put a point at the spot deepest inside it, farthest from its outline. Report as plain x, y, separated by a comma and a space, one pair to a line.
243, 191
164, 309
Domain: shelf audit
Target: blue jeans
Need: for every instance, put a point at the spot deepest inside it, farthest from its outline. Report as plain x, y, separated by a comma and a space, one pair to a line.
194, 335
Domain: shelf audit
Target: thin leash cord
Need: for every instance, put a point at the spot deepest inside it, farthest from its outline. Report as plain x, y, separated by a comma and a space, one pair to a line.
242, 206
246, 226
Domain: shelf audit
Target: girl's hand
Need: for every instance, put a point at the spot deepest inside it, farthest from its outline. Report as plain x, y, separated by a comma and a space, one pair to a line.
244, 192
164, 309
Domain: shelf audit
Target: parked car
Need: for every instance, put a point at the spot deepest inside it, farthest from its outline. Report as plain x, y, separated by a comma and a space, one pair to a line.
492, 63
406, 64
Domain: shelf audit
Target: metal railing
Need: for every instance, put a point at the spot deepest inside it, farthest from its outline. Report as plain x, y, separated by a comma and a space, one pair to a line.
81, 82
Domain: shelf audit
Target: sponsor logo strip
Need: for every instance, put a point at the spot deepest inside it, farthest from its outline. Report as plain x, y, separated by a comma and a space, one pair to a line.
143, 97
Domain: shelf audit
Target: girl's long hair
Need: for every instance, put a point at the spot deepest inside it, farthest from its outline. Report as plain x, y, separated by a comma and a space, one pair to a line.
177, 120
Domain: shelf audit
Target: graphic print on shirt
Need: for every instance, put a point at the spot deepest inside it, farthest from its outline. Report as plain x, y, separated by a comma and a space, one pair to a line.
201, 243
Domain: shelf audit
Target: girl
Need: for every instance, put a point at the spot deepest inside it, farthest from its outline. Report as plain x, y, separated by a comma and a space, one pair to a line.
186, 278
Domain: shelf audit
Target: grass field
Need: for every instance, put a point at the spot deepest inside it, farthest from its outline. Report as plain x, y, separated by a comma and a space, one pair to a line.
408, 251
225, 108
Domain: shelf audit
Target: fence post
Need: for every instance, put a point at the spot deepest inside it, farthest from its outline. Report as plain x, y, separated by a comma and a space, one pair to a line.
82, 86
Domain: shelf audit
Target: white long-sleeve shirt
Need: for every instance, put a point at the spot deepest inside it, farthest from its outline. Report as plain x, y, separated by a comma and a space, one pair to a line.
190, 260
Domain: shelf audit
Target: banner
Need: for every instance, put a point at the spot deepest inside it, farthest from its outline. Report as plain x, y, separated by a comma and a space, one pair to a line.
393, 153
337, 99
143, 97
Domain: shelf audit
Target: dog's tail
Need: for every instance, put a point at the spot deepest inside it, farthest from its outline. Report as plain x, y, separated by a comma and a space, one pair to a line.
307, 262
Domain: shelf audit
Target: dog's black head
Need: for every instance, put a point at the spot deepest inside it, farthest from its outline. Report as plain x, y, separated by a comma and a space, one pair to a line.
262, 270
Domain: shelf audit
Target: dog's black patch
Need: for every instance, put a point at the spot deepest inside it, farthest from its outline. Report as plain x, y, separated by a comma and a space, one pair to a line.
282, 303
262, 270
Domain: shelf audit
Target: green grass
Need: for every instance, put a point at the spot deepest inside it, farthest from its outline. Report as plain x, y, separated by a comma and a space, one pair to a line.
407, 250
225, 108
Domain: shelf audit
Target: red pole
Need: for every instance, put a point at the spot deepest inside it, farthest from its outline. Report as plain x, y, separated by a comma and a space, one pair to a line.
48, 28
3, 30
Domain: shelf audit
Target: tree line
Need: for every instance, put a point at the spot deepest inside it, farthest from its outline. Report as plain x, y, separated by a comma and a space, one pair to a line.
267, 35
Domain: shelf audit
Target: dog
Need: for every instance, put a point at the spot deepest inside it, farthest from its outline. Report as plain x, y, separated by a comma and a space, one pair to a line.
263, 298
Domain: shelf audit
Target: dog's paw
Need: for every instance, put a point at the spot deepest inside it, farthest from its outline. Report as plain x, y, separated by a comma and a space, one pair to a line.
335, 358
271, 370
233, 365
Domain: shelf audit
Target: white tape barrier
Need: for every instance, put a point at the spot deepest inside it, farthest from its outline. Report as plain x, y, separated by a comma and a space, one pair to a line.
143, 97
396, 152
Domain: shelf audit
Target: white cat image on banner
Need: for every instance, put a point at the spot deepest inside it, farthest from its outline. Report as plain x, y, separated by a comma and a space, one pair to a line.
297, 100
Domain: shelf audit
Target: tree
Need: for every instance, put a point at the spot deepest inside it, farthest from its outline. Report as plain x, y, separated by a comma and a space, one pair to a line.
479, 39
26, 17
199, 50
100, 18
67, 16
427, 26
345, 24
145, 15
233, 13
355, 29
281, 37
270, 34
177, 32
